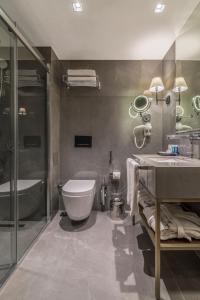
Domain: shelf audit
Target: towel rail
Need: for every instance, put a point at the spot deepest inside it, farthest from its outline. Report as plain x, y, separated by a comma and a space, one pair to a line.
67, 82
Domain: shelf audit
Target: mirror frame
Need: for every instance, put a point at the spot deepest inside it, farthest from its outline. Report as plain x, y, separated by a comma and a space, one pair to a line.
144, 108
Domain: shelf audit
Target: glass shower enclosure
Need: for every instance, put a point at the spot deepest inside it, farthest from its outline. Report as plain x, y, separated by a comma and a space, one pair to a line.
23, 147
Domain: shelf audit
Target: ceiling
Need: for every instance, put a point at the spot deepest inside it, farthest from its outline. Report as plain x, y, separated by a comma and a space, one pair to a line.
188, 42
106, 29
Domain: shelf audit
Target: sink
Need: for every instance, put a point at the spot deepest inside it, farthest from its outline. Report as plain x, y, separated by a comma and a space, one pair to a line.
170, 161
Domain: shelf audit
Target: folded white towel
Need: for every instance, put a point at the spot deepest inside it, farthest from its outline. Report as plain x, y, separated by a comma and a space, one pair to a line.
28, 78
132, 184
27, 72
22, 72
29, 84
81, 72
82, 81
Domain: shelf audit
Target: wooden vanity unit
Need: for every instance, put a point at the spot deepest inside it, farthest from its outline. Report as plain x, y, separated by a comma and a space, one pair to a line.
168, 180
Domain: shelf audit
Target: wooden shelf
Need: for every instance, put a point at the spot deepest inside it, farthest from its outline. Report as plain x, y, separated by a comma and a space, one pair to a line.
172, 244
169, 245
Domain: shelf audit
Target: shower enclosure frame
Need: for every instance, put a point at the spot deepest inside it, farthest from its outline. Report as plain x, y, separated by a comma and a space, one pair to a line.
14, 119
21, 37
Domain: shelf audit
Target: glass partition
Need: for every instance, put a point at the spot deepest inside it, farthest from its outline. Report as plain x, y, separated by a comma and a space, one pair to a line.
32, 153
23, 149
7, 199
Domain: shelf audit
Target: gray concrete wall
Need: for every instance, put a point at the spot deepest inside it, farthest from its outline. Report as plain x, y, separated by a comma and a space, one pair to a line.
54, 94
104, 115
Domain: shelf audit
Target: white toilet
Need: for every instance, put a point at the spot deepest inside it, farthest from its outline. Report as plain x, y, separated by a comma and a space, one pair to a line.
78, 198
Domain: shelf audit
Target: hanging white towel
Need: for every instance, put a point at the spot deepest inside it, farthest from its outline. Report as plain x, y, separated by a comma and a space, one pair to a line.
132, 184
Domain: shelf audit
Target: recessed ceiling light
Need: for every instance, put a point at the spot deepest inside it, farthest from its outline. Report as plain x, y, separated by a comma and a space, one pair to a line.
77, 6
159, 8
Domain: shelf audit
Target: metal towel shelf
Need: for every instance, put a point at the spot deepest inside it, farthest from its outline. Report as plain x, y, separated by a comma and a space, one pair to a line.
66, 81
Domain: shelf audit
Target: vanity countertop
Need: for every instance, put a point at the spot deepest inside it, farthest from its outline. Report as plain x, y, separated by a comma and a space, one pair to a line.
158, 161
170, 176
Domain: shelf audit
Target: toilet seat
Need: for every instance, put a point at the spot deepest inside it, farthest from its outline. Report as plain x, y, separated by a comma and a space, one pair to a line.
78, 188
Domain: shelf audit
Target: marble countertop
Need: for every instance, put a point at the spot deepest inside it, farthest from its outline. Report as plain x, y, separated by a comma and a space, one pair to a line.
158, 161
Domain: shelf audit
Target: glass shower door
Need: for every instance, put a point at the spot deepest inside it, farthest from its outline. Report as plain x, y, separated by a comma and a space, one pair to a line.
32, 149
23, 148
7, 194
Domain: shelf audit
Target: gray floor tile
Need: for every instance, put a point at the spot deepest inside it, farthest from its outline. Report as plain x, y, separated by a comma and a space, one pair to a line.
98, 260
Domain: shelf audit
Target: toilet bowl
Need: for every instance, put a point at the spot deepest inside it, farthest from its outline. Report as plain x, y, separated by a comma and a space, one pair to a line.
78, 197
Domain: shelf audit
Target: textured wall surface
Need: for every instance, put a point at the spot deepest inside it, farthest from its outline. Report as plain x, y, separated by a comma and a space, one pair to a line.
54, 131
104, 115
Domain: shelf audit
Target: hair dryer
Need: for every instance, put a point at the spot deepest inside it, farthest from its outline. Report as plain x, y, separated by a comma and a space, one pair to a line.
146, 130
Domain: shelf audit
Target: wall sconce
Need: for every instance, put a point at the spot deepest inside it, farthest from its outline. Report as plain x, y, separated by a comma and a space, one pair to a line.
157, 86
179, 87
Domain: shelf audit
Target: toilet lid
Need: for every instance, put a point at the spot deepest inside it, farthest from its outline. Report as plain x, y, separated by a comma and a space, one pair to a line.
78, 187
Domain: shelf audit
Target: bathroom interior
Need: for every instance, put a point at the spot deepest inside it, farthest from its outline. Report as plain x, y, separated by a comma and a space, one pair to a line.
99, 149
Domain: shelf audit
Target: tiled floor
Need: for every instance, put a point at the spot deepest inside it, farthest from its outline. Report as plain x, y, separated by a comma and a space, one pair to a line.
27, 232
99, 261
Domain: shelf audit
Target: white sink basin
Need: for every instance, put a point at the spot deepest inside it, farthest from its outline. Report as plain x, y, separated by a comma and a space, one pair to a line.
174, 160
164, 160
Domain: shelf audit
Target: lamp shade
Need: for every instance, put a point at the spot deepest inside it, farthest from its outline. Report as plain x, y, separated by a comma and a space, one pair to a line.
156, 85
180, 85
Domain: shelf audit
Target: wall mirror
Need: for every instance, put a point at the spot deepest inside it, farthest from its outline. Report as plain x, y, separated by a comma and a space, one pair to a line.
140, 105
187, 83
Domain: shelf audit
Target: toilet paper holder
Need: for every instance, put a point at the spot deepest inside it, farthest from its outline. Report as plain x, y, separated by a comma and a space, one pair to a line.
115, 175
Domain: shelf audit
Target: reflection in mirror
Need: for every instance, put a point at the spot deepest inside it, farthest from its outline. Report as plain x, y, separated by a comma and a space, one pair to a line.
187, 87
179, 111
196, 104
179, 117
180, 86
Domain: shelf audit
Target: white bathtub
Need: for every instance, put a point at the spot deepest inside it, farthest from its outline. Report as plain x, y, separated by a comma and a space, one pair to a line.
30, 194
